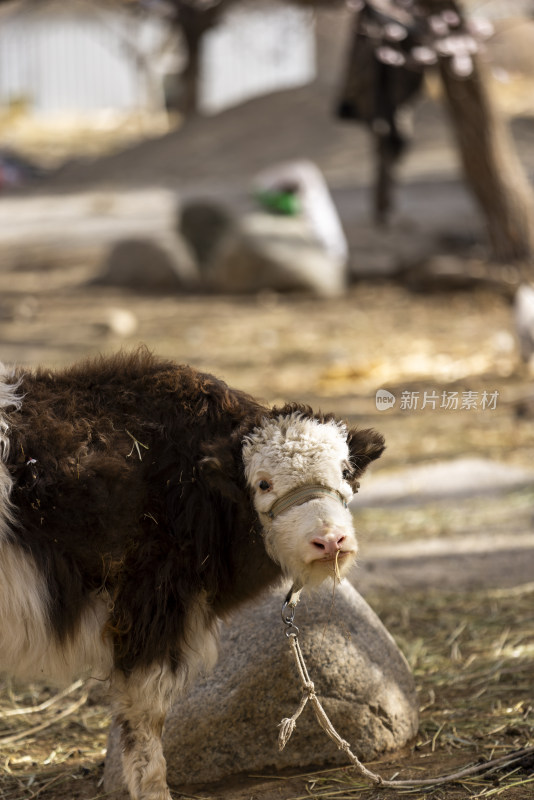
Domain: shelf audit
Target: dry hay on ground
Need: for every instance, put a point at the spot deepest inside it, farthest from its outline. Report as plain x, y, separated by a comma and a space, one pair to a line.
49, 739
473, 659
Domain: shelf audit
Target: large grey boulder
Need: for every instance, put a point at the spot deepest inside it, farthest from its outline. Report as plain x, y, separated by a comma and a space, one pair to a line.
161, 264
229, 722
266, 251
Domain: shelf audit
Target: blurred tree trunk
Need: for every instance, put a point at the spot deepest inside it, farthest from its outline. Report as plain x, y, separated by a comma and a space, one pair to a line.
193, 20
491, 165
489, 158
192, 27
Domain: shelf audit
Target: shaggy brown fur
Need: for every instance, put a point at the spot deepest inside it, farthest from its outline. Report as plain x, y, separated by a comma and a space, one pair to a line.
110, 495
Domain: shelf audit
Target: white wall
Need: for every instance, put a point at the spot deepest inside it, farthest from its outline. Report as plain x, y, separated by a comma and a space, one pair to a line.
70, 56
256, 51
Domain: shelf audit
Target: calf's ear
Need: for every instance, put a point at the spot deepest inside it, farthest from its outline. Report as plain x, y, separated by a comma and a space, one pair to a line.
219, 468
364, 446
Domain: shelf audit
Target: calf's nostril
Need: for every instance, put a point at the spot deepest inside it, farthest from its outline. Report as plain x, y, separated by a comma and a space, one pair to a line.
330, 544
319, 543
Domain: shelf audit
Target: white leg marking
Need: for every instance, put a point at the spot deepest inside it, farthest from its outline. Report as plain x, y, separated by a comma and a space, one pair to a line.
142, 700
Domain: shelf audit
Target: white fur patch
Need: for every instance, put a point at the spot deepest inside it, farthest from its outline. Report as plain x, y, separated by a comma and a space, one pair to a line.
201, 641
27, 647
140, 702
10, 400
28, 650
291, 451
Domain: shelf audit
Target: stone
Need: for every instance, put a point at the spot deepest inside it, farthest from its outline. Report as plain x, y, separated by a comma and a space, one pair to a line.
203, 223
265, 251
228, 724
146, 264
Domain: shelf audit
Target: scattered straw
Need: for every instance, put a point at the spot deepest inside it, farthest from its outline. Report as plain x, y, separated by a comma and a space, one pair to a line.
136, 446
48, 739
16, 737
16, 712
337, 573
474, 685
472, 656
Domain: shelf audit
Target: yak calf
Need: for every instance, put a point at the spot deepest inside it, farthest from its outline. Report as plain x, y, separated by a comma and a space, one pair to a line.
140, 503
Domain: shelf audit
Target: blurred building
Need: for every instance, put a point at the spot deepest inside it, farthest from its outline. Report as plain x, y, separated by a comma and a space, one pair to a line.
78, 56
83, 56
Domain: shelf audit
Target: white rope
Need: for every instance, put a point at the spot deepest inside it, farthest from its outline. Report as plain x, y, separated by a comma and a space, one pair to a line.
288, 724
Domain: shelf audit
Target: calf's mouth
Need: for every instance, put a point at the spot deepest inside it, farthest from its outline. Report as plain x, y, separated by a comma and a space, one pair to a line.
336, 557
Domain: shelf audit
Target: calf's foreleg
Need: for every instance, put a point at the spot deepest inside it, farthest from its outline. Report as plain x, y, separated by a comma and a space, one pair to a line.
141, 701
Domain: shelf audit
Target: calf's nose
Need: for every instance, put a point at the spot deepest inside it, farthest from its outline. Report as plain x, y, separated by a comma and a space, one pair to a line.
329, 544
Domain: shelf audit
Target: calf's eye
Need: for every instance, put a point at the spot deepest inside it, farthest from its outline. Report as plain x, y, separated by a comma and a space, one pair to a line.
264, 485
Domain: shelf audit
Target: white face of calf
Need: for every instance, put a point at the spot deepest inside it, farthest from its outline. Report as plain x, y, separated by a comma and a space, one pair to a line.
314, 539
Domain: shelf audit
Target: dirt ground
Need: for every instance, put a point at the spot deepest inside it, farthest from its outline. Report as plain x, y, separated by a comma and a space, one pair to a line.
334, 354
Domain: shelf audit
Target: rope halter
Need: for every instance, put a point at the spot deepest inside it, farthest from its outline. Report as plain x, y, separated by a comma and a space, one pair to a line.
301, 495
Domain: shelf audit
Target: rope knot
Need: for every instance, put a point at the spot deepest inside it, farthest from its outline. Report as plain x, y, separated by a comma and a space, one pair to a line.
287, 726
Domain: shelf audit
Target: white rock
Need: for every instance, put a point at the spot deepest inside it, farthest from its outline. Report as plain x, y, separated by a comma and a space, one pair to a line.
265, 251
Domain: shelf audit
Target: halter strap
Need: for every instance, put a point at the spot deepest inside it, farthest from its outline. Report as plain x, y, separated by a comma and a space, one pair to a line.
301, 495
